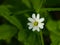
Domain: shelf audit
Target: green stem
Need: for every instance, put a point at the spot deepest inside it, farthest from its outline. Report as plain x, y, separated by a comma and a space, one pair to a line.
41, 37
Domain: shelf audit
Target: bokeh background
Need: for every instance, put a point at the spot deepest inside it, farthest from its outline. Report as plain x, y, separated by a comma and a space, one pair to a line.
13, 22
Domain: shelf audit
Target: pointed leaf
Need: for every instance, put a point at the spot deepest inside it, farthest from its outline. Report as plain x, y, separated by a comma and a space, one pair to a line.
37, 4
27, 3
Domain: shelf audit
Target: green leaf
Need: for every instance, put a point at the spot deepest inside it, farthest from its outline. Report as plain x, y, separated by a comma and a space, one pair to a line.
7, 32
51, 9
37, 4
27, 3
33, 39
29, 38
21, 12
22, 35
53, 26
5, 12
55, 39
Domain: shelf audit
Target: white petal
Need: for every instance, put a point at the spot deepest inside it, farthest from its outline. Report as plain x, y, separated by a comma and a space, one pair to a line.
30, 19
34, 28
41, 19
28, 23
30, 27
41, 25
38, 15
38, 29
33, 16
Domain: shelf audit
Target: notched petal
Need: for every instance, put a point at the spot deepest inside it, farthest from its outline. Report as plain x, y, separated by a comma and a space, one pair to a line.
41, 27
33, 16
30, 27
30, 19
41, 19
28, 23
38, 29
33, 29
38, 16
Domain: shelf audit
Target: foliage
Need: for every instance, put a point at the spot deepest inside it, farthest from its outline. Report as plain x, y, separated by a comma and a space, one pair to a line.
15, 14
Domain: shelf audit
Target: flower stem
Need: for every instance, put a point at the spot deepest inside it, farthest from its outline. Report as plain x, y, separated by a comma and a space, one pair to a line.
41, 37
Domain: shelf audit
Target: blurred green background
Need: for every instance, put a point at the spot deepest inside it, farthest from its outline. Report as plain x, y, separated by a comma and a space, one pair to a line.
13, 22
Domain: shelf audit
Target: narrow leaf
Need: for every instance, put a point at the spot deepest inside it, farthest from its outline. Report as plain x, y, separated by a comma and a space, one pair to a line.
27, 3
12, 19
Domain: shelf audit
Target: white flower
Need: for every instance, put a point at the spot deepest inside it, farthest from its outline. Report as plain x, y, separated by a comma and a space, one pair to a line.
36, 23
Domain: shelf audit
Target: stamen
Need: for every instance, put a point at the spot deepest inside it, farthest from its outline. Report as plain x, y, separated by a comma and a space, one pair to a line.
35, 23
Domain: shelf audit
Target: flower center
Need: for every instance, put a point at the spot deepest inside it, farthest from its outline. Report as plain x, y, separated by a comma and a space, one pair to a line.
35, 23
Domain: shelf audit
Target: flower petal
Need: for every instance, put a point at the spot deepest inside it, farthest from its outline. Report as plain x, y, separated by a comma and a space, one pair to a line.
29, 24
41, 25
33, 19
30, 19
38, 29
41, 19
34, 28
33, 16
38, 15
30, 27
